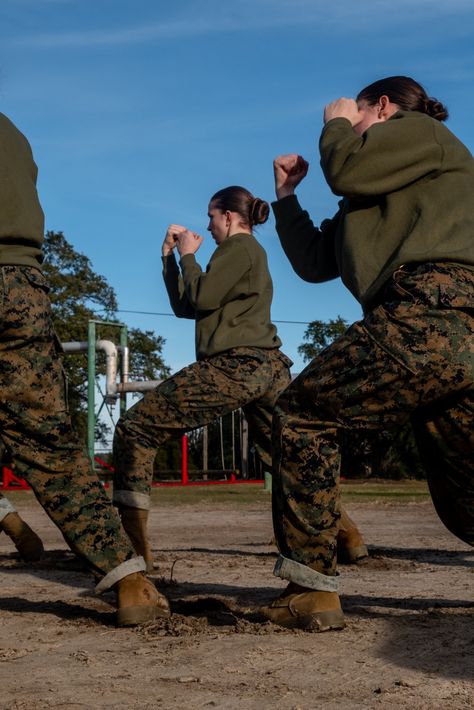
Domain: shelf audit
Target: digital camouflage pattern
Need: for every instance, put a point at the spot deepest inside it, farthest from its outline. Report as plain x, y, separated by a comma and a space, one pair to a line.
247, 378
412, 357
35, 426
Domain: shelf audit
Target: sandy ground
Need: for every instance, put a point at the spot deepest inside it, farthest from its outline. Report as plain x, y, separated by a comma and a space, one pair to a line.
409, 641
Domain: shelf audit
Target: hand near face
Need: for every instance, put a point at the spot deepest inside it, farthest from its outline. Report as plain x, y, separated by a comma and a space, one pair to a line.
289, 171
188, 242
342, 108
171, 238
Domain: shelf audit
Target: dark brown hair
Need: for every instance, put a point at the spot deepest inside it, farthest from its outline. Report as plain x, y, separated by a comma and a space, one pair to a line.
406, 93
234, 198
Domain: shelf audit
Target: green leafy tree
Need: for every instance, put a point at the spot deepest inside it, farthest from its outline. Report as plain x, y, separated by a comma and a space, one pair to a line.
78, 294
394, 454
318, 335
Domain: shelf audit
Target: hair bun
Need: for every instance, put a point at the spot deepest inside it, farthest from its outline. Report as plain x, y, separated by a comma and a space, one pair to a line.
259, 211
436, 109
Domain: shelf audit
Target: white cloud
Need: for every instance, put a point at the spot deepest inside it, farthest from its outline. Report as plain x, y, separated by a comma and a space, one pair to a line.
213, 16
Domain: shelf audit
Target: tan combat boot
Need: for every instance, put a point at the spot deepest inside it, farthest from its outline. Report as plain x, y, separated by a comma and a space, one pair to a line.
350, 543
135, 522
26, 541
139, 601
301, 608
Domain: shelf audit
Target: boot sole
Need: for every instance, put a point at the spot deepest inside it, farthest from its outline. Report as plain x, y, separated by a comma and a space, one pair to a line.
134, 615
350, 555
320, 621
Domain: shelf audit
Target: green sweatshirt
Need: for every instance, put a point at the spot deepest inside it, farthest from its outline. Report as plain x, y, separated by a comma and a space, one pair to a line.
230, 301
407, 186
21, 216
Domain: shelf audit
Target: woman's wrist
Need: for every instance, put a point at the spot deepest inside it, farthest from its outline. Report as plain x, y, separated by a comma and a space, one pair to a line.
284, 191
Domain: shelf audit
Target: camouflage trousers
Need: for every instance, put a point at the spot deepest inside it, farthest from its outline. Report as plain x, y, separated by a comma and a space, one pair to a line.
247, 378
35, 429
410, 358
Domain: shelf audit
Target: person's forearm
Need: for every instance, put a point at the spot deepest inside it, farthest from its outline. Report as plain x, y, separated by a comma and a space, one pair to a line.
177, 297
309, 250
386, 158
284, 191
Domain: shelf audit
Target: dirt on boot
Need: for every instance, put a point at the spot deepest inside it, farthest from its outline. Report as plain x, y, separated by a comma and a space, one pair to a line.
26, 541
139, 601
351, 546
309, 610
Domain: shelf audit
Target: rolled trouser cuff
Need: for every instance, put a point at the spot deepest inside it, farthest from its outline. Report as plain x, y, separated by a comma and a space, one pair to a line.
132, 499
304, 576
6, 508
136, 564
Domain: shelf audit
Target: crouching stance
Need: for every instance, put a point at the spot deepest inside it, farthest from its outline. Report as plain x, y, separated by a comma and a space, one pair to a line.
402, 243
239, 363
35, 426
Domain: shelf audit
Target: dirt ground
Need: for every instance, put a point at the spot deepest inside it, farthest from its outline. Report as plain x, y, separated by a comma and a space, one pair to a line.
409, 641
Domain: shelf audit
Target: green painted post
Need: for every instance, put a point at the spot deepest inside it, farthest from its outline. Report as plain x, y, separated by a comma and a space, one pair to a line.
91, 390
123, 343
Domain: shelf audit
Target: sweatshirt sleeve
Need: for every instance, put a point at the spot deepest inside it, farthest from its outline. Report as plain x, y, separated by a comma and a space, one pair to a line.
387, 157
208, 290
310, 250
174, 285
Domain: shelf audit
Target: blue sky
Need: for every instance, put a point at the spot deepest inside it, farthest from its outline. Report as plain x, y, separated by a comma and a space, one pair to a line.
138, 111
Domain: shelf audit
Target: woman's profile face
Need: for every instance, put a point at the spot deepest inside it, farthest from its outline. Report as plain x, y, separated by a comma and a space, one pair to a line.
218, 223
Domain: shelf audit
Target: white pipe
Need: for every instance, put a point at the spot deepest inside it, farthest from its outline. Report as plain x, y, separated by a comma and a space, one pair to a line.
110, 363
112, 389
125, 362
138, 385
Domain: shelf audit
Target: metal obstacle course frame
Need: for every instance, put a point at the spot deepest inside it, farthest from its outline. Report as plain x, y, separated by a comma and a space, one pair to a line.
118, 391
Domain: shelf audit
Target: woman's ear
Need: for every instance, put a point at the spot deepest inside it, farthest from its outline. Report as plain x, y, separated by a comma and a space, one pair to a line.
385, 108
228, 218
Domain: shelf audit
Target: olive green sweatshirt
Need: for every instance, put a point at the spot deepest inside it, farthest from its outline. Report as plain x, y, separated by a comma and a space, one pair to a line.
408, 197
21, 216
230, 301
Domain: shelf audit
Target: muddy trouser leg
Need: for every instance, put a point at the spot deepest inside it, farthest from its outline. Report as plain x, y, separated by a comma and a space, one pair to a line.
36, 430
193, 397
445, 438
354, 383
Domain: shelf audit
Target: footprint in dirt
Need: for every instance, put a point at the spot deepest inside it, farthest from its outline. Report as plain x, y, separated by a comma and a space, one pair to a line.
207, 615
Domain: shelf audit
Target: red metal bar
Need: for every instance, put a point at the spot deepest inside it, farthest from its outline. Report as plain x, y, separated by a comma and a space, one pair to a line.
12, 482
184, 460
236, 482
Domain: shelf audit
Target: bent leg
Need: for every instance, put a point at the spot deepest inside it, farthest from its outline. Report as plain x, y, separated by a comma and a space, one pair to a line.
259, 412
36, 429
191, 398
353, 384
445, 438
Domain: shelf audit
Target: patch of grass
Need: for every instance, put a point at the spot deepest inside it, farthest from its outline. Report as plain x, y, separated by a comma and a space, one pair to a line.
254, 493
248, 493
399, 491
233, 494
